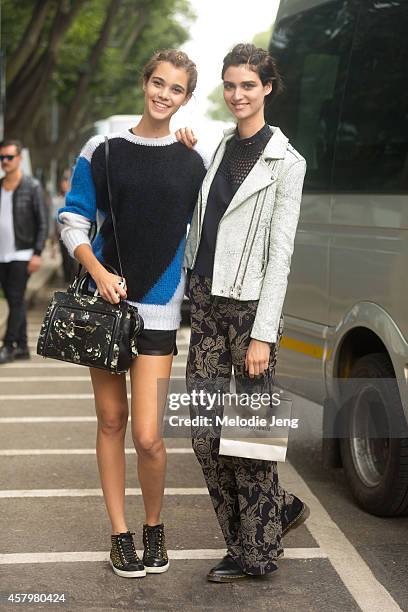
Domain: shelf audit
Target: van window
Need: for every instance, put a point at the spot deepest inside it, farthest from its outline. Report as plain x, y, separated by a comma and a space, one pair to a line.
372, 139
312, 49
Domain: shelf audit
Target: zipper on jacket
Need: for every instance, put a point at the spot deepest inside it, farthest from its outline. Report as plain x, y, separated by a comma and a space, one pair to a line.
265, 249
253, 240
238, 287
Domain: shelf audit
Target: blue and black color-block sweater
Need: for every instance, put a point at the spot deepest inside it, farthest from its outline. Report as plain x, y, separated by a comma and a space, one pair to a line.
155, 183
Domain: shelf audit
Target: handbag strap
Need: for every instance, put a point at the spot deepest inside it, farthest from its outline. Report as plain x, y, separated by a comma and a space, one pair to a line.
111, 203
110, 197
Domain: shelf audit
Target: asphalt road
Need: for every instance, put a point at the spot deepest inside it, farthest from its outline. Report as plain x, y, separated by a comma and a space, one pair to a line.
55, 535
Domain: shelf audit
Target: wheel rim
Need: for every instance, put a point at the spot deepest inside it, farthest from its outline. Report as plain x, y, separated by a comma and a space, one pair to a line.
370, 446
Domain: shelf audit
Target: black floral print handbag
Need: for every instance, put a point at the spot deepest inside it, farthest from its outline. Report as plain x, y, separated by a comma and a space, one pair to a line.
83, 328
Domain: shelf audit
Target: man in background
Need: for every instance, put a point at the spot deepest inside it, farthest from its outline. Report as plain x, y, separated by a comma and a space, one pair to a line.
23, 231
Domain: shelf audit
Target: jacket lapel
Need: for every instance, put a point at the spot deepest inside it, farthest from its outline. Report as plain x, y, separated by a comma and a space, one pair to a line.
263, 173
259, 178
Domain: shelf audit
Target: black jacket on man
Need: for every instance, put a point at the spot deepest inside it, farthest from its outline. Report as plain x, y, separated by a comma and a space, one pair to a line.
30, 215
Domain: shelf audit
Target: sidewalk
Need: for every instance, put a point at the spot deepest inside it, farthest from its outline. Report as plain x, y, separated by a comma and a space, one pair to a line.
37, 281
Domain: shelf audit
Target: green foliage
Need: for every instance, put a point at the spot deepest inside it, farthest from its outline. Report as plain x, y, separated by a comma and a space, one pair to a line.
115, 88
218, 110
72, 58
14, 19
262, 39
140, 28
126, 94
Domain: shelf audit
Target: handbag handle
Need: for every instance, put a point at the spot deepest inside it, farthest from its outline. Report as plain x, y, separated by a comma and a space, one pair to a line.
270, 382
81, 283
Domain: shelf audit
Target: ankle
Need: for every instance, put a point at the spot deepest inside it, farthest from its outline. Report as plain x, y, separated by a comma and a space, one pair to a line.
119, 531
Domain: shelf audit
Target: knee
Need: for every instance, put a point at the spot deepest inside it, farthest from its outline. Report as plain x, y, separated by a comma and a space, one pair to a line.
113, 424
148, 445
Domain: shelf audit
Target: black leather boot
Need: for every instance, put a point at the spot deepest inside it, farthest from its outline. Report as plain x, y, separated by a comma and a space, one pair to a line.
7, 354
226, 571
294, 515
21, 352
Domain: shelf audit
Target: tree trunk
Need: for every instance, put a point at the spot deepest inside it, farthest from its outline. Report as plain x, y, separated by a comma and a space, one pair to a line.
137, 28
28, 90
74, 114
28, 41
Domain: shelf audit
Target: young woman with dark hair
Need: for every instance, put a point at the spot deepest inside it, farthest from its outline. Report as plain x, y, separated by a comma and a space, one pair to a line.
155, 182
238, 251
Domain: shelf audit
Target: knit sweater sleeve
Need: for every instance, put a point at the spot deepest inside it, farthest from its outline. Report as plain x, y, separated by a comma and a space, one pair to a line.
79, 212
74, 230
205, 153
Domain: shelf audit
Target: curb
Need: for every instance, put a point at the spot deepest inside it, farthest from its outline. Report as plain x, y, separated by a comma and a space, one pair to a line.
36, 283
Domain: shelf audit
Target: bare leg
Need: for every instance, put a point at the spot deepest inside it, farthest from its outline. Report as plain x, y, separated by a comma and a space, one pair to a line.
150, 375
112, 413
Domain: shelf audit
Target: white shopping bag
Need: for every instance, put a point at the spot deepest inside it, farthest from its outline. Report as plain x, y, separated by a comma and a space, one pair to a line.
256, 426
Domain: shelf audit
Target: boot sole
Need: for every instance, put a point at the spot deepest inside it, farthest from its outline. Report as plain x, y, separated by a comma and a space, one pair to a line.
157, 570
123, 574
215, 578
211, 578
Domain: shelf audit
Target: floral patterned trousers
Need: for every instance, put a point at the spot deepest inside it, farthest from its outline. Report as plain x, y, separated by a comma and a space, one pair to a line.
245, 493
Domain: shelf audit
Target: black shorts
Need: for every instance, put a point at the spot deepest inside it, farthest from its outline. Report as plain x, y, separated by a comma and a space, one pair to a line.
157, 342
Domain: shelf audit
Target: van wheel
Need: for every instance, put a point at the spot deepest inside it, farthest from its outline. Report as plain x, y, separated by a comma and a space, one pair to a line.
376, 467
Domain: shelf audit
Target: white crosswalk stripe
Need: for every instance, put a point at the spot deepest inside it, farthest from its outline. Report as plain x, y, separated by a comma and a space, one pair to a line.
25, 493
179, 555
24, 452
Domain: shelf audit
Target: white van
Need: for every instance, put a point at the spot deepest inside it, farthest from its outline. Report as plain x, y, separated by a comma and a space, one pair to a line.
345, 108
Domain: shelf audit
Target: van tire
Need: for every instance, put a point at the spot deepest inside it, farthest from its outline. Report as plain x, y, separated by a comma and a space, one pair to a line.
386, 494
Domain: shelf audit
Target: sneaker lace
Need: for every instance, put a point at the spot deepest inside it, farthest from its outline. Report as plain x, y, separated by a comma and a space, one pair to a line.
155, 542
128, 548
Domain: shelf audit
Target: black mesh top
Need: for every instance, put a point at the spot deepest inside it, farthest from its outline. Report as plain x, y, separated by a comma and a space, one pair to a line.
241, 155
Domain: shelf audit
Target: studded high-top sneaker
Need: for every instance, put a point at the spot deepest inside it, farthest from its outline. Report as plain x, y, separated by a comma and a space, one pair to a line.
124, 559
155, 557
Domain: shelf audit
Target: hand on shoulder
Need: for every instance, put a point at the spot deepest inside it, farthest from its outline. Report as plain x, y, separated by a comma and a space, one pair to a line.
187, 137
